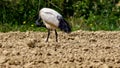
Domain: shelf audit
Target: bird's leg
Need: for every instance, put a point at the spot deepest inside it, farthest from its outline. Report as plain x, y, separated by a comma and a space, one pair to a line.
56, 36
48, 35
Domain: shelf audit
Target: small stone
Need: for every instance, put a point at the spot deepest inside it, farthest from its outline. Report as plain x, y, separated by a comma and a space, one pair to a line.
28, 65
3, 59
5, 52
105, 66
31, 43
14, 62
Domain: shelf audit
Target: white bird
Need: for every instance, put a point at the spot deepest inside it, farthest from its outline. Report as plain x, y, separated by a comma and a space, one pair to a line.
53, 20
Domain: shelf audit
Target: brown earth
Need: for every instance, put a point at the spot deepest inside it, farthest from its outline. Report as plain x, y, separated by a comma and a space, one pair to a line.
79, 49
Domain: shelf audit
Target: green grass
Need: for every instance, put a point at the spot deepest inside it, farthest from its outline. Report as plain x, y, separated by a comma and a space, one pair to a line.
93, 23
82, 15
23, 28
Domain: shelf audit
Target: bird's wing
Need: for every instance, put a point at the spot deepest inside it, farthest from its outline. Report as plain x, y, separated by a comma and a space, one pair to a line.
50, 18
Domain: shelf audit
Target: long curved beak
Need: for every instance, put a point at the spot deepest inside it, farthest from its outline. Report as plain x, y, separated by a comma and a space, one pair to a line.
39, 24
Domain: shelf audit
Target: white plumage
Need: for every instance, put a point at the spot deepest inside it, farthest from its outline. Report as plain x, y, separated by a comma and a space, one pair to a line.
52, 20
49, 18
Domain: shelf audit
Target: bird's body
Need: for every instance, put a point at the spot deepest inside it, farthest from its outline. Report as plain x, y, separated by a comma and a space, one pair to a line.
49, 18
53, 20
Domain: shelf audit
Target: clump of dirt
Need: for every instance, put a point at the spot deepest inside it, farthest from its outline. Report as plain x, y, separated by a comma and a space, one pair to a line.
79, 49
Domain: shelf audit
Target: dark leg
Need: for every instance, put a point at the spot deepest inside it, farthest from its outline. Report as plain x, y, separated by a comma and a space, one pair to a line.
56, 36
48, 35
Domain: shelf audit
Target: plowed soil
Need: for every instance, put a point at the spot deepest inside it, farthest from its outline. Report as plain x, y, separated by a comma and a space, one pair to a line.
79, 49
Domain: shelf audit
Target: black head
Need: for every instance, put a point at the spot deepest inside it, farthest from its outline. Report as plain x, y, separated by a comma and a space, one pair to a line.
64, 25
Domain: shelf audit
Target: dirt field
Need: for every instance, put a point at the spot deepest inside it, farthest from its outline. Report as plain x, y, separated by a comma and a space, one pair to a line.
79, 49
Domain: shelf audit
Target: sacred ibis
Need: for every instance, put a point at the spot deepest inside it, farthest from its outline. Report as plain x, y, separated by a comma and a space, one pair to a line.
52, 20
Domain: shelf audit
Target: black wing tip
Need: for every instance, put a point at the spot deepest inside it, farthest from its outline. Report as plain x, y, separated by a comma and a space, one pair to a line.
64, 25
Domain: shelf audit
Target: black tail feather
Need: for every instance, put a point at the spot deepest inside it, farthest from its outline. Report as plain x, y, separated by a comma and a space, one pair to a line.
64, 25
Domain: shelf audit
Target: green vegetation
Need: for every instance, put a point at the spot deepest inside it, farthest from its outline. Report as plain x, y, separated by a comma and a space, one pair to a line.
20, 15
